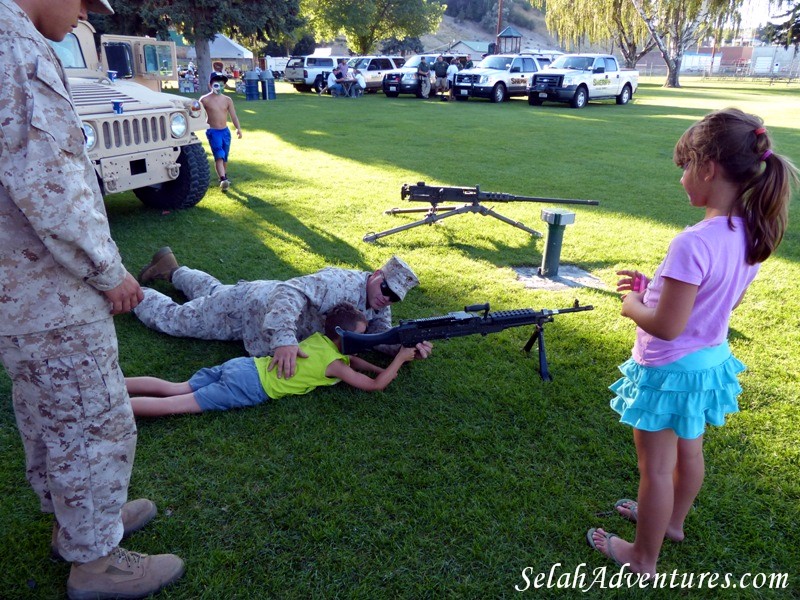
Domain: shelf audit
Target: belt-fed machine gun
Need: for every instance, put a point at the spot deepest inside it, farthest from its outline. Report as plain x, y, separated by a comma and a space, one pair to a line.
473, 197
455, 324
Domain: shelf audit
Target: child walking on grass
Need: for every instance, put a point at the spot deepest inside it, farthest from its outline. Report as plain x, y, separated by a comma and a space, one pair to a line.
682, 374
246, 381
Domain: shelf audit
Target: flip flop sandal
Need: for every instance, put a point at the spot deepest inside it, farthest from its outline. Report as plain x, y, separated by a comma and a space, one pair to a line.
633, 508
608, 553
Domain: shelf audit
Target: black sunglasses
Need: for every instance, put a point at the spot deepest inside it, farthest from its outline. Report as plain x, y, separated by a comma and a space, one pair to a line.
387, 291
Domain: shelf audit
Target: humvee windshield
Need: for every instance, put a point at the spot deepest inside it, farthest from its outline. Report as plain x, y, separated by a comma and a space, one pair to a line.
69, 51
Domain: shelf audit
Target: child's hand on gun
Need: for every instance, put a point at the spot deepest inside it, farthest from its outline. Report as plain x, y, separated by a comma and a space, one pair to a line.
407, 354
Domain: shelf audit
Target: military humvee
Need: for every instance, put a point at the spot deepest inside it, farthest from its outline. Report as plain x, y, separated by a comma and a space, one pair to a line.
137, 137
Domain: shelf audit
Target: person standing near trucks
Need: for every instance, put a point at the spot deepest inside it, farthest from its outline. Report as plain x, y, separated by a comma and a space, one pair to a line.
61, 280
218, 106
424, 76
440, 70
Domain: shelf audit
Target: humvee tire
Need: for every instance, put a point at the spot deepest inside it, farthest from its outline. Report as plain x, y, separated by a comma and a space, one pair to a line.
185, 191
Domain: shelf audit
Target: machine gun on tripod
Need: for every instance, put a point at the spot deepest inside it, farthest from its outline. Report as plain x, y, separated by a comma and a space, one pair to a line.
456, 324
473, 197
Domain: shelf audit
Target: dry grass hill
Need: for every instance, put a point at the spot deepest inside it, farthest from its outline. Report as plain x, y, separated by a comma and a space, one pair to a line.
451, 30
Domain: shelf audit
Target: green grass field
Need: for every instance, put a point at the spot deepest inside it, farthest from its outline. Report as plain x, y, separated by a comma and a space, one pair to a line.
468, 468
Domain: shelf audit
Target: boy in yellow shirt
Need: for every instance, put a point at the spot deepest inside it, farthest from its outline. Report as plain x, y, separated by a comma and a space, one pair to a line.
247, 381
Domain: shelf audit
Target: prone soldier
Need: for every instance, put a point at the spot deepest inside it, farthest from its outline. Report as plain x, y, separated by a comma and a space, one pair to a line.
271, 316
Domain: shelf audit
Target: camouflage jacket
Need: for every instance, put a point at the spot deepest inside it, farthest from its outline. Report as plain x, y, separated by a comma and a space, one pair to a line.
56, 250
279, 313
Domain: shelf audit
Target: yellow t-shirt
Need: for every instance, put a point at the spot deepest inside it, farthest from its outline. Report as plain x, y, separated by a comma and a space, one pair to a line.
310, 371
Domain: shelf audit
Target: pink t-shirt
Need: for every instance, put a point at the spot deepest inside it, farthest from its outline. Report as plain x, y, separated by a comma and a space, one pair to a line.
712, 256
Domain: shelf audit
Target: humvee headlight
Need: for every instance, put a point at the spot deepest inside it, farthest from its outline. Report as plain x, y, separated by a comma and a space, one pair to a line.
91, 136
177, 123
195, 109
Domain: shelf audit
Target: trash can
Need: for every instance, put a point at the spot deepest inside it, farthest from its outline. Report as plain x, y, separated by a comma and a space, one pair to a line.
267, 85
251, 85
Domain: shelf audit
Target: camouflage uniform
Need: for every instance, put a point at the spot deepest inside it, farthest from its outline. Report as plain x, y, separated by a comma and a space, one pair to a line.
264, 314
57, 339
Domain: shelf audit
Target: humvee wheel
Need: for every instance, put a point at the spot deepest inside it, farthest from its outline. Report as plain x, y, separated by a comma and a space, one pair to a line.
185, 191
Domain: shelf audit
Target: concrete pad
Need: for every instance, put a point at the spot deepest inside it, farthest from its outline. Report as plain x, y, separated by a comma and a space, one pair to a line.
568, 277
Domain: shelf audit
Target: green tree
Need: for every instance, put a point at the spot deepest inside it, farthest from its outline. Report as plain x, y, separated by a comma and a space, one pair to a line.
366, 22
786, 33
200, 20
678, 24
576, 21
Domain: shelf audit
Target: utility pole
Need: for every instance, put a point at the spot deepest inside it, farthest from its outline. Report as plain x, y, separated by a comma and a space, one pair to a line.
499, 24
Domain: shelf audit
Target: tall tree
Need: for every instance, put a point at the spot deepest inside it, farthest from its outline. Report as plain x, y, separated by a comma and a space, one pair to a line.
366, 22
678, 24
786, 33
200, 20
576, 21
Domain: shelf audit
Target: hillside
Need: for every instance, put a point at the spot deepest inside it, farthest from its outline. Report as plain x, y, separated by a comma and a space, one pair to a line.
450, 30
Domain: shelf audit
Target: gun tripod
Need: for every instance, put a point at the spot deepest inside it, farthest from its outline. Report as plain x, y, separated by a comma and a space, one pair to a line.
432, 215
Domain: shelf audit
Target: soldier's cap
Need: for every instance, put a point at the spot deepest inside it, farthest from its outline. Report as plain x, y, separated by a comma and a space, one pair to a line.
100, 7
399, 276
218, 77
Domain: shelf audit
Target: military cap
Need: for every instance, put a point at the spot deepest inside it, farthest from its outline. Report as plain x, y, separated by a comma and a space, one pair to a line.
100, 7
399, 276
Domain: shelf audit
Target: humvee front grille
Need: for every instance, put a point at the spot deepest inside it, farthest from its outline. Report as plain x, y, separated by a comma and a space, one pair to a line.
134, 131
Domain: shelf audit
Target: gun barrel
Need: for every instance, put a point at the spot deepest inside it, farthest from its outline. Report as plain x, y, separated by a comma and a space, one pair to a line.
438, 194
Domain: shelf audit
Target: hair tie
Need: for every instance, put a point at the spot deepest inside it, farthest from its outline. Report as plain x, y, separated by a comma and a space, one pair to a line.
766, 155
760, 130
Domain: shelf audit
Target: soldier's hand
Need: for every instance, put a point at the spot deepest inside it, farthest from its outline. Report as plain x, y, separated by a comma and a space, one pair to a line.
423, 350
126, 296
285, 359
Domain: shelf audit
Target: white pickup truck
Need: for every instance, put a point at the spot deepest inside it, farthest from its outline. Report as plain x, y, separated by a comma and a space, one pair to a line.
578, 78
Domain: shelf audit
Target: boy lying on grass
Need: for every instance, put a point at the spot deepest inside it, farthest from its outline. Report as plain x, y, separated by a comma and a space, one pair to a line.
247, 381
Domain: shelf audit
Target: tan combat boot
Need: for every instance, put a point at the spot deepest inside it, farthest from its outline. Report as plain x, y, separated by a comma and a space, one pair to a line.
162, 265
123, 574
135, 515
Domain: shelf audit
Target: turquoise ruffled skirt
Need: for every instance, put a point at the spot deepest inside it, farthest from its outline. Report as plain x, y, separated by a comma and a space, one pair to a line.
684, 396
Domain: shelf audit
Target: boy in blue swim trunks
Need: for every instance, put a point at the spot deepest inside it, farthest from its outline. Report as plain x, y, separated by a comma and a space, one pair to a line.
218, 106
246, 381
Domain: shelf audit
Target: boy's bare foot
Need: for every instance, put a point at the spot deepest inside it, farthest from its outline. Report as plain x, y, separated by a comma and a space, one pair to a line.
628, 508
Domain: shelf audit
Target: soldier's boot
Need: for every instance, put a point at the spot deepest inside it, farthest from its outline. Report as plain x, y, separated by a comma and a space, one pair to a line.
135, 515
161, 266
123, 574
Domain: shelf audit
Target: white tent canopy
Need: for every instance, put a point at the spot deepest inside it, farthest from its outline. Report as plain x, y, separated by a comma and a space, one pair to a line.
224, 48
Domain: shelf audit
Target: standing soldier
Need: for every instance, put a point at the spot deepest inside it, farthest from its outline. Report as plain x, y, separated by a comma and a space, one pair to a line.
271, 317
62, 279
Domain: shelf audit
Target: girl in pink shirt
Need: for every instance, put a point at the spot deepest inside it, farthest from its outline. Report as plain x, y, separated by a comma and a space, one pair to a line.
681, 374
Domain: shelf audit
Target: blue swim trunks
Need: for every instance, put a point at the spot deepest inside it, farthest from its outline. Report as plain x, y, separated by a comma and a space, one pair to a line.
220, 142
233, 384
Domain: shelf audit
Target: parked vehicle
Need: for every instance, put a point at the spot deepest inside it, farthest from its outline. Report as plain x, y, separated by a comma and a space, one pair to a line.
404, 79
497, 77
578, 78
373, 69
137, 137
308, 73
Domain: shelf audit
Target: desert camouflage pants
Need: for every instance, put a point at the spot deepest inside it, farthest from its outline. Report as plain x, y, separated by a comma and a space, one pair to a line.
213, 312
77, 428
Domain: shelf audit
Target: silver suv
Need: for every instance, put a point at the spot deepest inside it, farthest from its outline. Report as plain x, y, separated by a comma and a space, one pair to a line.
497, 77
373, 68
309, 73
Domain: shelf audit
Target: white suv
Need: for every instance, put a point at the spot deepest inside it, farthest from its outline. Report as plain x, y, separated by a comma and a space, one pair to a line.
373, 68
497, 77
309, 73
